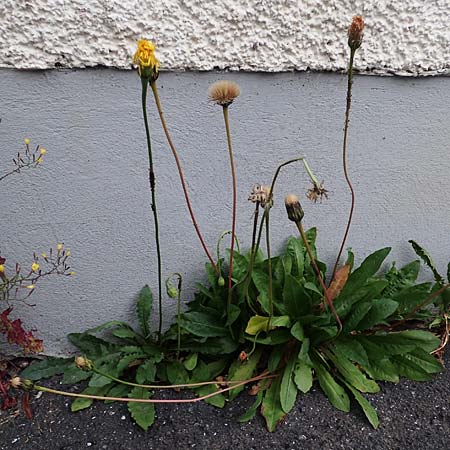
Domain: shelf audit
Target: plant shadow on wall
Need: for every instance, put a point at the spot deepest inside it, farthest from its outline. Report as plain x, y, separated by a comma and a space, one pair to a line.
276, 323
17, 284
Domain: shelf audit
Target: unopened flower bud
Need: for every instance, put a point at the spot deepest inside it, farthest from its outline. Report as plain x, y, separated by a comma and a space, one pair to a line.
243, 356
26, 385
356, 32
221, 281
293, 208
172, 292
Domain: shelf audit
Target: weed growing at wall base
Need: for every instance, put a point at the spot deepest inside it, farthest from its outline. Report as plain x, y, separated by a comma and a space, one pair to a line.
277, 324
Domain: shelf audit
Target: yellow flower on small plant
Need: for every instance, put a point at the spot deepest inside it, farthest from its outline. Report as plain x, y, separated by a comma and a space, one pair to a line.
42, 151
34, 267
39, 160
59, 247
68, 253
27, 141
145, 59
44, 255
2, 268
31, 286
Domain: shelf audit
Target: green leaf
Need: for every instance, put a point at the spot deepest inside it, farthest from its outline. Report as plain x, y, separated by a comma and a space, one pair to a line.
46, 368
90, 345
400, 279
409, 369
207, 372
213, 346
295, 249
243, 370
177, 373
250, 413
424, 339
191, 361
288, 389
146, 372
117, 390
125, 333
411, 297
142, 413
275, 358
297, 331
335, 392
125, 362
380, 310
426, 258
261, 280
424, 360
382, 369
303, 376
203, 324
372, 289
74, 375
234, 314
260, 323
367, 408
295, 298
217, 400
271, 406
108, 325
83, 403
353, 350
355, 316
367, 269
351, 373
144, 309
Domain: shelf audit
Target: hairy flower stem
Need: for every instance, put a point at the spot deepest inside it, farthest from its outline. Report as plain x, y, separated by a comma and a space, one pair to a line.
150, 400
269, 322
233, 222
154, 209
344, 159
319, 275
180, 173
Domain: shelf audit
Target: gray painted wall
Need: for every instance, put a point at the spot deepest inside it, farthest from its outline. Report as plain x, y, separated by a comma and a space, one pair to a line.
92, 191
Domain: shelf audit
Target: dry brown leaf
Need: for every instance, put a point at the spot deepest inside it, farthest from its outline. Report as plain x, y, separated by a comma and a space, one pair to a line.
339, 281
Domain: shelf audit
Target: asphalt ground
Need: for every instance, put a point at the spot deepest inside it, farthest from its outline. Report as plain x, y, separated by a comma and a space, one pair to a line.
413, 416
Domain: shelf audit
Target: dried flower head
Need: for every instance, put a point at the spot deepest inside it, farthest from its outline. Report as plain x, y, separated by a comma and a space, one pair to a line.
83, 363
224, 92
145, 59
356, 32
317, 192
15, 382
260, 193
293, 208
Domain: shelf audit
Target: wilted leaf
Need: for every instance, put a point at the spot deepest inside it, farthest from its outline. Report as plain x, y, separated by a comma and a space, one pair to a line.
339, 281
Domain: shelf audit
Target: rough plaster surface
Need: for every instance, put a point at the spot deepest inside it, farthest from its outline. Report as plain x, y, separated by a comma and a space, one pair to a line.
406, 37
92, 190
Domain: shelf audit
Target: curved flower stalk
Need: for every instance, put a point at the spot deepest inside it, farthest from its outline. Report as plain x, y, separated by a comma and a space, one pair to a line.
223, 93
295, 214
180, 173
355, 37
28, 385
148, 70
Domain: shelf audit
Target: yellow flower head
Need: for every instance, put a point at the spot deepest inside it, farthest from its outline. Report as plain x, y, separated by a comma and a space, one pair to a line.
27, 141
30, 286
2, 268
42, 151
145, 59
59, 247
34, 267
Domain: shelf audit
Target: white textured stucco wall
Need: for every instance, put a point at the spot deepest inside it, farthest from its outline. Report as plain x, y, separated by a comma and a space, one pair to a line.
407, 37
